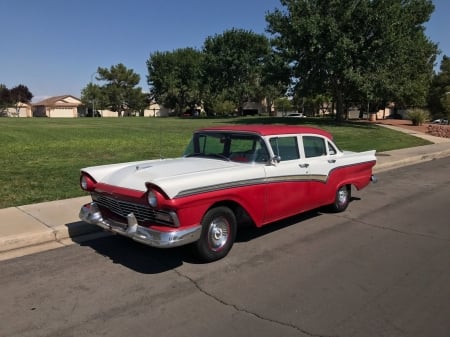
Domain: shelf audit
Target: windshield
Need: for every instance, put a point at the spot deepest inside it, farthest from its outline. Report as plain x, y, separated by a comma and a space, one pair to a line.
236, 147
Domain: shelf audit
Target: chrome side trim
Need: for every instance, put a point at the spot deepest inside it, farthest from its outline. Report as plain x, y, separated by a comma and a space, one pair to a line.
90, 213
323, 178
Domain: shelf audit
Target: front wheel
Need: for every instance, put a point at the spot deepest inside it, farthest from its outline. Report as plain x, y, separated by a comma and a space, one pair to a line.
342, 199
218, 234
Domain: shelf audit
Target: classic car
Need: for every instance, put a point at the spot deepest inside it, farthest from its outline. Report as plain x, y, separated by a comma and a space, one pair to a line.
228, 175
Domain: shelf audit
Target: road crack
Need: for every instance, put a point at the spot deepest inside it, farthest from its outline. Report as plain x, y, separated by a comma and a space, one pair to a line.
365, 223
242, 310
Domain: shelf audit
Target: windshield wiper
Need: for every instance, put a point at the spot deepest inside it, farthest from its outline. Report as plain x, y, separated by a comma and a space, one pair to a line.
214, 155
218, 155
195, 154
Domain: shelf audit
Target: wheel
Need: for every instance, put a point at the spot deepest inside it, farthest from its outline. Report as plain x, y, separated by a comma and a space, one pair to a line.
342, 199
218, 234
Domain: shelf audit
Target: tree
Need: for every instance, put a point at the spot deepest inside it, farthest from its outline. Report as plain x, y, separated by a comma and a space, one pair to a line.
356, 49
276, 78
19, 95
93, 96
120, 92
234, 66
283, 105
439, 95
223, 107
175, 78
5, 99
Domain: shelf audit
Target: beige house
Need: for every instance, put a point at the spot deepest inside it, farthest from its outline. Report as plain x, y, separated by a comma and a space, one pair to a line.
65, 106
156, 110
153, 110
21, 110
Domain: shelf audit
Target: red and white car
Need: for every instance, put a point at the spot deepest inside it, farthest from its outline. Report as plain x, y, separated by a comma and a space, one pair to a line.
228, 175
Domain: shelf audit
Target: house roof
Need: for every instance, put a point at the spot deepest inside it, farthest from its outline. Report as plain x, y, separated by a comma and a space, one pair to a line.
63, 100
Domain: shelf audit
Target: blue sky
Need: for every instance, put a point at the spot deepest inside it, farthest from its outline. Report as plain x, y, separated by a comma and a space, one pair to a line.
55, 46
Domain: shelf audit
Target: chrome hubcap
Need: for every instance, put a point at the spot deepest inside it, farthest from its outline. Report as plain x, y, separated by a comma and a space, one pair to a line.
342, 195
218, 233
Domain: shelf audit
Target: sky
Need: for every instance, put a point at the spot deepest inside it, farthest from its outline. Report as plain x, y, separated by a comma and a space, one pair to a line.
54, 47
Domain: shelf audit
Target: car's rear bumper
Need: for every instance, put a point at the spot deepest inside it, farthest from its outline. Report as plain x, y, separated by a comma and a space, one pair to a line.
91, 213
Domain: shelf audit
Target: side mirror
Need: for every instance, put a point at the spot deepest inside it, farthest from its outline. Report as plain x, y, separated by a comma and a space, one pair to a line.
276, 159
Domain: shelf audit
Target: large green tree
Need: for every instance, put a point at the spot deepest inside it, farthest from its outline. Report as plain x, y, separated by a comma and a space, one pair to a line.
439, 97
275, 82
119, 92
94, 98
234, 64
366, 50
175, 78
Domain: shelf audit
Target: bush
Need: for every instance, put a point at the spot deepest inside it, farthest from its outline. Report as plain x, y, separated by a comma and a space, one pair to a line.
418, 116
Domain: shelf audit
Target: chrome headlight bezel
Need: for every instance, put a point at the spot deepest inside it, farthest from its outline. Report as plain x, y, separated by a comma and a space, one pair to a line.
86, 182
152, 198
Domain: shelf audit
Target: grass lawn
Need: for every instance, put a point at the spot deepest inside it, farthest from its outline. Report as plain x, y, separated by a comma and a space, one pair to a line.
41, 157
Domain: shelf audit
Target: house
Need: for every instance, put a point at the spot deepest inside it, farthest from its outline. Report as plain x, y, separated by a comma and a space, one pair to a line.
20, 110
57, 106
153, 110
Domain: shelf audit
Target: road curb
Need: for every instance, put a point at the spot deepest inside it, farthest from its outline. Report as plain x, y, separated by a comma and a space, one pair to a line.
390, 165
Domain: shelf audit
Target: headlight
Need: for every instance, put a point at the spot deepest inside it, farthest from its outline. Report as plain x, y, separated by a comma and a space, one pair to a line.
86, 182
152, 198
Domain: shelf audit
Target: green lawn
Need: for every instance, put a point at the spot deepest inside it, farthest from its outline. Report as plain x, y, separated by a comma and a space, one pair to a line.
41, 157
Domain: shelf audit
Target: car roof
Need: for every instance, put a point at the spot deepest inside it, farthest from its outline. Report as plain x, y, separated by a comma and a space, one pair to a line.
270, 130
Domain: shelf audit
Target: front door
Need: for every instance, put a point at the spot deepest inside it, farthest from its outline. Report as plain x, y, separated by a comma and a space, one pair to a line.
287, 181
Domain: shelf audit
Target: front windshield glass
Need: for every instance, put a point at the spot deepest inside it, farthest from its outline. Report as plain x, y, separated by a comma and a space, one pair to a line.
236, 147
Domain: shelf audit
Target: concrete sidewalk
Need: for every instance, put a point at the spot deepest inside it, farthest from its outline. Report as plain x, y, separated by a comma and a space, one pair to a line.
38, 227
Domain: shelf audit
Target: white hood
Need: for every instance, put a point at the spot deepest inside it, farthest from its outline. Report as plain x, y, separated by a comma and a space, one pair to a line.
174, 175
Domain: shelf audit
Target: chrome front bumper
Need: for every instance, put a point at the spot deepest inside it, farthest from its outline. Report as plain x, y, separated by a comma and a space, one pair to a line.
90, 213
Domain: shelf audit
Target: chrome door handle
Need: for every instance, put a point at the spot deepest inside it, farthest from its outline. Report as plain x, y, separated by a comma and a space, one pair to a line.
331, 161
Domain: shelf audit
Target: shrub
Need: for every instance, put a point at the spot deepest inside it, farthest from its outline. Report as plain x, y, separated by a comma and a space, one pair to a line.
418, 116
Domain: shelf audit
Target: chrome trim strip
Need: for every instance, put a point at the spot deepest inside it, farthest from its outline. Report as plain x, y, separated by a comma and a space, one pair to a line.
250, 182
218, 187
323, 178
90, 213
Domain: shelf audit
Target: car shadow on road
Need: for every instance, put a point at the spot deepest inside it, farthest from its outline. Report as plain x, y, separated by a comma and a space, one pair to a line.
135, 256
249, 232
148, 260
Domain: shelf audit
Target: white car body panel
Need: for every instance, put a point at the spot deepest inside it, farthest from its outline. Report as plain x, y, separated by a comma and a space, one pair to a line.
175, 175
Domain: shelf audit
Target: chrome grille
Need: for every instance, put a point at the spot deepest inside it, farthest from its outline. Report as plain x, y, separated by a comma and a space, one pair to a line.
123, 208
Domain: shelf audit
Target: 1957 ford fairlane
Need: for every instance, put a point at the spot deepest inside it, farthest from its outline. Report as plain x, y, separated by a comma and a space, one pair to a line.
227, 175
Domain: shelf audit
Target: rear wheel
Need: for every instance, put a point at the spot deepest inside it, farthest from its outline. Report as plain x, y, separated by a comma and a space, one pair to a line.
342, 199
218, 234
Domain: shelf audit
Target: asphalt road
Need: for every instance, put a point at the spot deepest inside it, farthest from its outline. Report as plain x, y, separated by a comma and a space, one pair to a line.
382, 268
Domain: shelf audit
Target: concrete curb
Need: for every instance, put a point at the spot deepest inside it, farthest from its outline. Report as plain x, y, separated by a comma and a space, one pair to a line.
42, 224
409, 160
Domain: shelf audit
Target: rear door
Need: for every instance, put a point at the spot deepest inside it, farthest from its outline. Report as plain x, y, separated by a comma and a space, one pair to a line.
320, 158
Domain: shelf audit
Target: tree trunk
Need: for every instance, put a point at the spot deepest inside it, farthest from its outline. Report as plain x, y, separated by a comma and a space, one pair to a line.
339, 106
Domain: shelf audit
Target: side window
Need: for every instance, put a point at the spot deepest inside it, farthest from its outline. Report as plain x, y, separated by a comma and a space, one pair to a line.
285, 147
331, 149
314, 146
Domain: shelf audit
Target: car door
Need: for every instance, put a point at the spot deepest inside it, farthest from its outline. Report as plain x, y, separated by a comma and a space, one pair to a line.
287, 180
321, 157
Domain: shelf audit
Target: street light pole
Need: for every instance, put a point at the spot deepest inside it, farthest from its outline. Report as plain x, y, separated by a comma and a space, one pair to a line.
93, 99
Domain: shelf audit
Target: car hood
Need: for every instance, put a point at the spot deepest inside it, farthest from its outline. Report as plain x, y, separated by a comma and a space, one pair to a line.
175, 176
